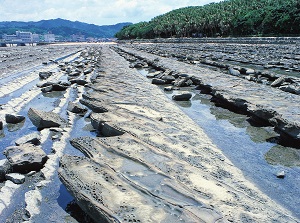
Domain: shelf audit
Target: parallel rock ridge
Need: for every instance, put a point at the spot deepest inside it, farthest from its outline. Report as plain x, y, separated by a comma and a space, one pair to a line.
266, 103
151, 163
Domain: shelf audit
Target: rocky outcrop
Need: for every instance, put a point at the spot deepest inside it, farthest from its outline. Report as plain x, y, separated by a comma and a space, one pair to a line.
15, 178
158, 81
95, 106
184, 96
33, 138
54, 86
25, 158
5, 168
42, 119
14, 119
234, 72
76, 108
45, 75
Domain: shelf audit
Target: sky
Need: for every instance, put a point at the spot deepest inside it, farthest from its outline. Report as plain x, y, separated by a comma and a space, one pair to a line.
99, 12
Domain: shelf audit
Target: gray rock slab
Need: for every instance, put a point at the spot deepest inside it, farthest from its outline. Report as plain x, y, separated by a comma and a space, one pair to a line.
15, 178
5, 168
42, 119
158, 81
33, 138
95, 106
76, 108
184, 96
25, 158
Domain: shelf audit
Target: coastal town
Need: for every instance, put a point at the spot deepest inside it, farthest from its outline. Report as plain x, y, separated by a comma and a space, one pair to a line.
29, 37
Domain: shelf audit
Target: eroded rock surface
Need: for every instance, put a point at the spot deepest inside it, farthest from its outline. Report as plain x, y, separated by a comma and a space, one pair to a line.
244, 95
161, 162
25, 158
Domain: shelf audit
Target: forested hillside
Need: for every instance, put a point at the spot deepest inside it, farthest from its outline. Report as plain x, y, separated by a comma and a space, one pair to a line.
227, 18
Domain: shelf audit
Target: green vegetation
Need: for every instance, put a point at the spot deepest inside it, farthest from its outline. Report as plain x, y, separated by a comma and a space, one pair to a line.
227, 18
61, 27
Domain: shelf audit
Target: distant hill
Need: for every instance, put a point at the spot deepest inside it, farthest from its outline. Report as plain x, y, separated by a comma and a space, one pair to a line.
62, 27
226, 18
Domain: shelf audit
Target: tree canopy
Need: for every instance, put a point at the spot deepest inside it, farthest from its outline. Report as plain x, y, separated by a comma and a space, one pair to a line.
226, 18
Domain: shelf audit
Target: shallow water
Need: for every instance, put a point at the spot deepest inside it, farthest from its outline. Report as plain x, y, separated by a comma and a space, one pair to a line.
247, 147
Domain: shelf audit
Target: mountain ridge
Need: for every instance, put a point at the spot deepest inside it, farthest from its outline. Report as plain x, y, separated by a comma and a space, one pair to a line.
62, 27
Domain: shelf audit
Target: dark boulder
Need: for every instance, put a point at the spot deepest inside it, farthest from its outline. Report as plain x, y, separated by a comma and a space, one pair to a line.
45, 75
234, 72
138, 65
1, 125
168, 78
16, 178
95, 106
290, 88
158, 81
14, 119
74, 74
280, 174
5, 168
105, 128
25, 158
183, 82
47, 89
76, 108
88, 71
46, 83
250, 71
65, 83
278, 82
59, 87
79, 81
169, 88
42, 119
184, 96
33, 138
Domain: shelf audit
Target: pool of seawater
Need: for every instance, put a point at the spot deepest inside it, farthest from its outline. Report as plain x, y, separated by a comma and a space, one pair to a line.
248, 148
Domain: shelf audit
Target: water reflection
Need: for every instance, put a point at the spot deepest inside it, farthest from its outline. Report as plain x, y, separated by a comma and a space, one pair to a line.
184, 104
285, 156
2, 135
54, 94
15, 127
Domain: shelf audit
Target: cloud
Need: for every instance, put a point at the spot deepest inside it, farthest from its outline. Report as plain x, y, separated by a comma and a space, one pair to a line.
91, 11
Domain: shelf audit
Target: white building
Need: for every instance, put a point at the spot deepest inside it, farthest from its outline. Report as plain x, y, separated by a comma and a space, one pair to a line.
9, 38
49, 37
35, 38
25, 37
78, 38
